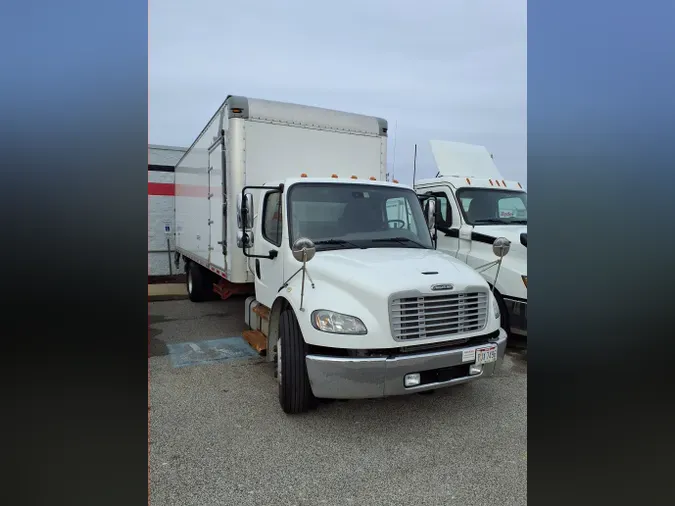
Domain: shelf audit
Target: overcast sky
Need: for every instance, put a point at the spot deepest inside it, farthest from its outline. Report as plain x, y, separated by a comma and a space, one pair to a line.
442, 69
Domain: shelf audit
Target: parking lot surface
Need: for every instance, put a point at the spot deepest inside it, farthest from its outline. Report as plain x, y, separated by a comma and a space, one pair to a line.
218, 435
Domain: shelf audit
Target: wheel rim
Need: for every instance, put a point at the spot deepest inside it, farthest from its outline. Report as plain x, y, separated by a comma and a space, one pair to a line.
189, 282
279, 360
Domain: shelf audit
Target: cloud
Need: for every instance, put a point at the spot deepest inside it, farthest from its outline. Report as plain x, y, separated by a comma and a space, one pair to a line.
453, 69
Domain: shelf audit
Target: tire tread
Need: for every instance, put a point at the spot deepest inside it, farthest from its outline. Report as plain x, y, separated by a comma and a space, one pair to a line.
295, 394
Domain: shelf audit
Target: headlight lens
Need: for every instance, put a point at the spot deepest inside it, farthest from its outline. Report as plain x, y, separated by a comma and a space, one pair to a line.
524, 280
337, 323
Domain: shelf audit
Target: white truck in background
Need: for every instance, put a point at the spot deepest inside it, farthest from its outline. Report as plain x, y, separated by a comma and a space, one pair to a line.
349, 297
475, 205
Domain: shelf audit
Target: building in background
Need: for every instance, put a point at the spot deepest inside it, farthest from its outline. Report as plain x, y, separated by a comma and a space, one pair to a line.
162, 161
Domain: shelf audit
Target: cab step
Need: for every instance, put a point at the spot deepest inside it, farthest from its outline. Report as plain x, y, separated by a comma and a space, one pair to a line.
256, 339
262, 311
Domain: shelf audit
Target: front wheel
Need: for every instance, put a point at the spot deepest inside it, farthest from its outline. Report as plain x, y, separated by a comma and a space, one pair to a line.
295, 392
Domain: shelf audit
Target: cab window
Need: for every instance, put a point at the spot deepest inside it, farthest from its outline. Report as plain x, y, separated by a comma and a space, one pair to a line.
272, 224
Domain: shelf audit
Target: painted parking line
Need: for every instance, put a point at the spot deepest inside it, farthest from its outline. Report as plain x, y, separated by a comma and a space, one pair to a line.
213, 351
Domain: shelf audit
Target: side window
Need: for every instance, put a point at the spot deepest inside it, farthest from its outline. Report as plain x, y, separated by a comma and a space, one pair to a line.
399, 214
443, 211
272, 222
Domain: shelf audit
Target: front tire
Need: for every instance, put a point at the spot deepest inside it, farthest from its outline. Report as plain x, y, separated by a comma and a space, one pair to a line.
295, 392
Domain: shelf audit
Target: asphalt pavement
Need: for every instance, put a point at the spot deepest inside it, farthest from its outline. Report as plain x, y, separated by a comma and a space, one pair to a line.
218, 435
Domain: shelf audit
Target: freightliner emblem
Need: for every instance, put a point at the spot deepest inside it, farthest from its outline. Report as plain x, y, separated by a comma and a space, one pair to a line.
445, 286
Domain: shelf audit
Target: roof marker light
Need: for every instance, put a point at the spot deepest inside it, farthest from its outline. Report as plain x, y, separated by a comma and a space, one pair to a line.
519, 186
372, 178
394, 181
497, 182
490, 182
334, 176
468, 181
303, 175
354, 177
504, 183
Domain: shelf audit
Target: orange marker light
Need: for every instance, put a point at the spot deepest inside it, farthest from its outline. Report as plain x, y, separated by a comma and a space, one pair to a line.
468, 181
394, 181
490, 182
504, 183
334, 176
519, 186
496, 182
354, 177
303, 175
372, 178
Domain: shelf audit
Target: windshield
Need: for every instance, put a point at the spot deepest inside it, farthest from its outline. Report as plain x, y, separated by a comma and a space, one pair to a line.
339, 216
481, 206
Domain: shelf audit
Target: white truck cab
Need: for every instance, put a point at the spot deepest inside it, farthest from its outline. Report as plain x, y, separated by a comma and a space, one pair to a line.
349, 297
474, 206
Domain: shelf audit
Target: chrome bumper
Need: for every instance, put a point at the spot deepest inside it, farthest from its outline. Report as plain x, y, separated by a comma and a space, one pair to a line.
517, 310
364, 378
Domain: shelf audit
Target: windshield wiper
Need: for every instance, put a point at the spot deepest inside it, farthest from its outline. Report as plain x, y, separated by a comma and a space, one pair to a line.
338, 242
492, 220
520, 222
401, 240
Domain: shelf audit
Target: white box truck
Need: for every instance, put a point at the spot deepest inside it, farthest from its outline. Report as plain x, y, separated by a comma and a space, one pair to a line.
475, 205
349, 297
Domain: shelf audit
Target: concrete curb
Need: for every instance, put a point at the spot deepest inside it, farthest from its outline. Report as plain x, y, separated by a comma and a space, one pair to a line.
166, 291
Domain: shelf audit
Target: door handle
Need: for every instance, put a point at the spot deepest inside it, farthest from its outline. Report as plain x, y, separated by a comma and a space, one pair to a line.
257, 267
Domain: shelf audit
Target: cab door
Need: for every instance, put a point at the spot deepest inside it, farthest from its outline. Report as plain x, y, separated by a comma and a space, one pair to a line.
268, 272
447, 223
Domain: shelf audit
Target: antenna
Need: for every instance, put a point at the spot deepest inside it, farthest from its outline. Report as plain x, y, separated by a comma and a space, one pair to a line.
393, 162
414, 166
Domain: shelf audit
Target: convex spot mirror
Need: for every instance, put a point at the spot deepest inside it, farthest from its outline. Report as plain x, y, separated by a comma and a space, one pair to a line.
303, 249
501, 246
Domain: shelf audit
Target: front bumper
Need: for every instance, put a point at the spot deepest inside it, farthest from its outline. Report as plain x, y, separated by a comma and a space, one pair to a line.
365, 378
517, 310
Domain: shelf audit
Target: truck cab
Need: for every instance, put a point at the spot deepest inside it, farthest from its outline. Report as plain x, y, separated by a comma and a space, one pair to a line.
474, 206
359, 303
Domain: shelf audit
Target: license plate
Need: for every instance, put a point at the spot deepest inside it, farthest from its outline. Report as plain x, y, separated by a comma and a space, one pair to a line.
486, 355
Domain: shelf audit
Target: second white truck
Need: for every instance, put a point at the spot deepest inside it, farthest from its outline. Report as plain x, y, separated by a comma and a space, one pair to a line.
349, 297
476, 205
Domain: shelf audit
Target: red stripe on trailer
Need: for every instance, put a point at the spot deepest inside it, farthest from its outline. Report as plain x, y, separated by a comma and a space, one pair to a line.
161, 189
189, 190
177, 190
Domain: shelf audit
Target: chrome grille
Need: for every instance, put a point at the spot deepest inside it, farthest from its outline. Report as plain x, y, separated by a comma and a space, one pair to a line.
438, 315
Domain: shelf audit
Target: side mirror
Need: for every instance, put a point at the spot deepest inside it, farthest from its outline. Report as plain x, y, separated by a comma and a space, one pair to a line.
244, 212
303, 249
501, 246
431, 213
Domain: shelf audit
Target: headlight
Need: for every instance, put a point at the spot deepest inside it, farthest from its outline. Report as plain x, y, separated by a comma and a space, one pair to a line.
495, 305
337, 323
524, 280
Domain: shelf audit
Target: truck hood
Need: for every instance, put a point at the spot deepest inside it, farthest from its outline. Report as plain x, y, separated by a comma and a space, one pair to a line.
383, 271
511, 232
